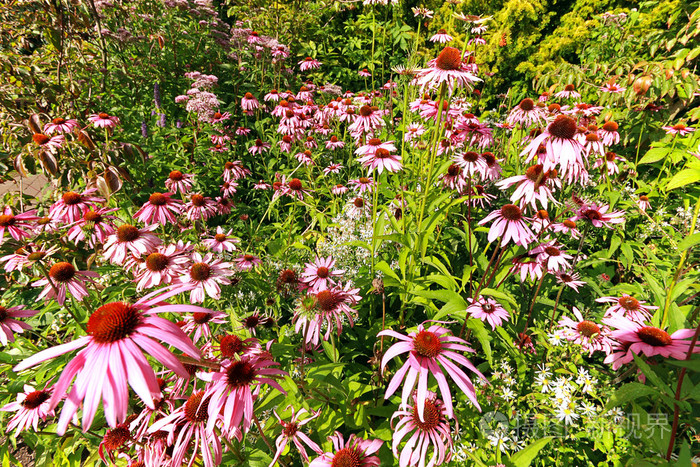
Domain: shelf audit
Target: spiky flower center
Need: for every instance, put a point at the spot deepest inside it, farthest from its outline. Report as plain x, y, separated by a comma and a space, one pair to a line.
542, 214
7, 220
200, 271
365, 111
593, 215
288, 276
610, 156
127, 233
156, 262
217, 115
427, 344
112, 322
553, 108
470, 156
322, 272
62, 272
359, 202
248, 257
71, 198
251, 321
347, 457
176, 176
295, 184
629, 303
454, 170
450, 59
654, 336
431, 417
103, 115
58, 121
116, 437
40, 139
230, 346
34, 399
201, 317
4, 314
569, 87
197, 200
592, 137
588, 328
36, 256
248, 95
382, 153
552, 251
563, 127
569, 224
290, 429
92, 216
679, 127
240, 373
610, 126
511, 212
527, 104
196, 409
644, 198
327, 300
220, 237
158, 199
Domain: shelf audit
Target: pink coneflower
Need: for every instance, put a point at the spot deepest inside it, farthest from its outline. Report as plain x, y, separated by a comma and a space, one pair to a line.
219, 117
629, 307
242, 131
358, 207
488, 310
430, 351
589, 335
364, 73
50, 143
442, 37
204, 276
334, 143
221, 241
191, 420
200, 207
27, 256
333, 169
309, 64
643, 202
612, 88
567, 226
65, 277
426, 420
609, 160
382, 160
325, 309
9, 325
262, 185
198, 324
454, 178
568, 92
31, 406
570, 279
560, 148
249, 103
162, 267
305, 157
18, 226
526, 265
510, 224
228, 189
103, 120
118, 334
598, 215
608, 133
61, 125
319, 275
369, 119
71, 207
159, 209
94, 227
339, 189
447, 68
221, 148
273, 96
129, 239
231, 390
527, 113
363, 184
535, 185
355, 452
259, 147
179, 182
247, 261
234, 171
679, 129
291, 432
637, 338
552, 256
294, 188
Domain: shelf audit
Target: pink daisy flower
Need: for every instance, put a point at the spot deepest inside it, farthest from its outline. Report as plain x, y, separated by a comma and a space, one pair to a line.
94, 227
159, 209
487, 310
333, 169
259, 147
589, 335
632, 338
50, 143
570, 279
179, 182
198, 324
61, 125
381, 160
247, 262
608, 133
552, 256
368, 120
612, 88
355, 452
130, 240
643, 202
204, 277
27, 256
219, 117
249, 103
441, 37
430, 351
295, 189
334, 143
527, 113
273, 96
31, 406
325, 309
291, 432
363, 184
234, 171
162, 267
598, 215
339, 189
561, 149
18, 226
567, 226
64, 277
510, 225
454, 178
568, 92
118, 334
364, 73
426, 420
103, 120
319, 275
629, 307
72, 206
221, 241
262, 185
232, 390
309, 64
535, 185
679, 129
448, 68
200, 207
9, 325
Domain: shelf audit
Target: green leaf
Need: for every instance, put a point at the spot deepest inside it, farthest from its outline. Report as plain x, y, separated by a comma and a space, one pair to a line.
524, 457
689, 242
629, 392
654, 155
684, 177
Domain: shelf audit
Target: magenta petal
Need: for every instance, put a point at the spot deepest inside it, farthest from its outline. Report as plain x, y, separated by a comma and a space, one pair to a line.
51, 352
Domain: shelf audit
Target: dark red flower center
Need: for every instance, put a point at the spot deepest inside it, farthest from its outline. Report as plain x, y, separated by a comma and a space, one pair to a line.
92, 216
644, 198
240, 373
542, 214
654, 336
431, 417
35, 398
197, 200
334, 139
382, 153
593, 215
58, 121
7, 220
62, 272
248, 95
677, 127
347, 457
156, 262
196, 409
470, 156
40, 139
116, 437
176, 176
569, 224
322, 272
629, 303
251, 321
511, 212
527, 104
610, 126
220, 237
295, 184
230, 346
3, 314
553, 108
454, 170
552, 251
200, 271
359, 202
290, 429
103, 115
489, 158
112, 322
158, 199
229, 165
449, 59
374, 141
569, 87
248, 257
287, 139
71, 198
127, 233
427, 344
365, 111
587, 328
287, 276
563, 127
610, 156
327, 300
201, 317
